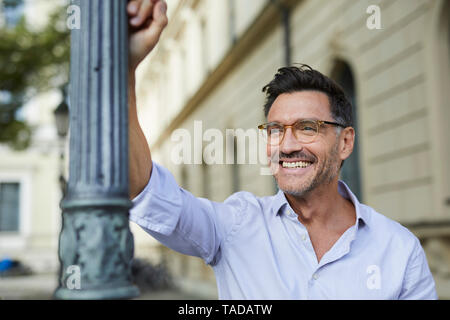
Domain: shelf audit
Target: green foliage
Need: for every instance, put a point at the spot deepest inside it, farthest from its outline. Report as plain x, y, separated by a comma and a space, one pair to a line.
30, 62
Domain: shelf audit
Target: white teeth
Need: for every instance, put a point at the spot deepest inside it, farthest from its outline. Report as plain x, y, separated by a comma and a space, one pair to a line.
298, 164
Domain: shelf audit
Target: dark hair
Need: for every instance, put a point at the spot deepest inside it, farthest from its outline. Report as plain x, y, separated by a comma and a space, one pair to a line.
292, 79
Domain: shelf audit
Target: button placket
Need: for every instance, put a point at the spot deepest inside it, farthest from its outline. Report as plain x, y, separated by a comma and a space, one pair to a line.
300, 237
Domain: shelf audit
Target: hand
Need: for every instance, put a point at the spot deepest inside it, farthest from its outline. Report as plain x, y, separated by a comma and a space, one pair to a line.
147, 20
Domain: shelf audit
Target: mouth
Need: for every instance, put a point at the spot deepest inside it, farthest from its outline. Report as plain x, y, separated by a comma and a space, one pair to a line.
299, 164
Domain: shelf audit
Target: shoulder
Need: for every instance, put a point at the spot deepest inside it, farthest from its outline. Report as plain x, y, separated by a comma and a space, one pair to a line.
249, 202
385, 229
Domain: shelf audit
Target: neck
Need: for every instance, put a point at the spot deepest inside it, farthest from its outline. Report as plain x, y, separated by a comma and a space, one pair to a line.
323, 208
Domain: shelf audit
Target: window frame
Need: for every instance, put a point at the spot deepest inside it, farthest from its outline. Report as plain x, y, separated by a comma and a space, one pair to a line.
340, 65
437, 48
17, 239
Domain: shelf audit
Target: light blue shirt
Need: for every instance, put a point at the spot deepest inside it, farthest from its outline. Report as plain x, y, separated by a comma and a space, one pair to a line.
259, 250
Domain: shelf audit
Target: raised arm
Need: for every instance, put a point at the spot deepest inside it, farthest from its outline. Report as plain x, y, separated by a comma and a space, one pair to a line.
147, 19
172, 215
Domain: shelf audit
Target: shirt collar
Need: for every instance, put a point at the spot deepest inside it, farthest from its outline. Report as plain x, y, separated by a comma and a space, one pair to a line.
279, 201
362, 215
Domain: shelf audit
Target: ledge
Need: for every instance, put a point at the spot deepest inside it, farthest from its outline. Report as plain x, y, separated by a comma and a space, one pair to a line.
430, 229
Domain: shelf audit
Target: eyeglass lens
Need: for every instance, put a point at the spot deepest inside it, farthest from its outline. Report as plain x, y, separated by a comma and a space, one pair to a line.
305, 131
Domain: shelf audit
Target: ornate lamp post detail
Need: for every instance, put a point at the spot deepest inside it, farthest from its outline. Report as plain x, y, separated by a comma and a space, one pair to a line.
96, 246
61, 114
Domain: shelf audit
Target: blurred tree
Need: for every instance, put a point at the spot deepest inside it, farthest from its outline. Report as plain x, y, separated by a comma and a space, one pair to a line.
31, 61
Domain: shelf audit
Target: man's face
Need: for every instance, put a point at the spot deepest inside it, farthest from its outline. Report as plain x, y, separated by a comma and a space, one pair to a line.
320, 159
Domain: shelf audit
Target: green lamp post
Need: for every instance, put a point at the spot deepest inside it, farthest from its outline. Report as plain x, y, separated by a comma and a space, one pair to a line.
96, 246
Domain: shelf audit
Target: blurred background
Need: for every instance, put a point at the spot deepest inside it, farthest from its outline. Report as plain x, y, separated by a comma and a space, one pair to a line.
210, 65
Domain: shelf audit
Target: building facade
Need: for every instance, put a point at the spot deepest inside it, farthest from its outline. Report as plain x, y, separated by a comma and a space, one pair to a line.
30, 218
392, 58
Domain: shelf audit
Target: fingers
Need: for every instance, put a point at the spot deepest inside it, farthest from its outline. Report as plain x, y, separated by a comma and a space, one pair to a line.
133, 7
159, 20
143, 38
142, 11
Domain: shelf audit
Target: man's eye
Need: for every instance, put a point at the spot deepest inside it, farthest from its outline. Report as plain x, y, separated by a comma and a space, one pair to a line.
307, 126
274, 130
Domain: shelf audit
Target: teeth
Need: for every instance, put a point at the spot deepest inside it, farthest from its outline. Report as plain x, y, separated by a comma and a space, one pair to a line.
298, 164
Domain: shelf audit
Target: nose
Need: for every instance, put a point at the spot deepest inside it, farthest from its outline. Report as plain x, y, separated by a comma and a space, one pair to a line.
290, 142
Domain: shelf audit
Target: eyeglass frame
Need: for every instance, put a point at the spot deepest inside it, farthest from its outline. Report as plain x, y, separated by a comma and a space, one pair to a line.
285, 126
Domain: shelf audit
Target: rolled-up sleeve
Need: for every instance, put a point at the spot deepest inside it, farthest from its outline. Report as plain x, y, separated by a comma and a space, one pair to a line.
183, 222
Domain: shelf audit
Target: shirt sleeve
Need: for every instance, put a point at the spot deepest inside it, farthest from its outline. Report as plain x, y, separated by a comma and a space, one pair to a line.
418, 283
183, 222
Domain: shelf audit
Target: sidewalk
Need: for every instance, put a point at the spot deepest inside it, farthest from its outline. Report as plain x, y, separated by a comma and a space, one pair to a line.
169, 295
42, 286
39, 286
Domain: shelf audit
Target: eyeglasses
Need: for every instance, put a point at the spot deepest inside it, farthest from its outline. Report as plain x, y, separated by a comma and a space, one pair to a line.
305, 131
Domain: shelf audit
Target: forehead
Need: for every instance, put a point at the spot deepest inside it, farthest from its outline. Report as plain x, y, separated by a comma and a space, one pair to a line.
289, 107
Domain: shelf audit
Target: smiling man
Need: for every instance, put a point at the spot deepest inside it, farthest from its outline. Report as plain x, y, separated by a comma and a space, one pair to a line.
310, 150
313, 239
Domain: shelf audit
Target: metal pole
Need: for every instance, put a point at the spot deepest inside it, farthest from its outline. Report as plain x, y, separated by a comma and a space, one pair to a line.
285, 13
286, 18
96, 246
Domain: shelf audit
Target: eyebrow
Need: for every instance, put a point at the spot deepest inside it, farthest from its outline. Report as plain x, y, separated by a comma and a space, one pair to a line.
299, 119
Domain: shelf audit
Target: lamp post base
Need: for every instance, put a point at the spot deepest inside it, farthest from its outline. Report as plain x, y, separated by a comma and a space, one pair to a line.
96, 250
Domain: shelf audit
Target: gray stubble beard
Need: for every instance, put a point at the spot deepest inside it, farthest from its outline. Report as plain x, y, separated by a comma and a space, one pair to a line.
331, 169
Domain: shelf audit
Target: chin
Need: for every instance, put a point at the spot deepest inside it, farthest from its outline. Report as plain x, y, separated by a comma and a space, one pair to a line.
295, 193
295, 189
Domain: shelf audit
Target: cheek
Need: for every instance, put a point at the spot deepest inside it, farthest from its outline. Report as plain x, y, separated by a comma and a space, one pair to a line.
325, 149
270, 150
333, 154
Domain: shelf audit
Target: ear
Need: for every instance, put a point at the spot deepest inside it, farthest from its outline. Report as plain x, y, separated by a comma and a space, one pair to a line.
346, 142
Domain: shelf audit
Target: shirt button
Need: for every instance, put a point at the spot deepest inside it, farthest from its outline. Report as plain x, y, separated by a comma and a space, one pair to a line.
303, 237
315, 276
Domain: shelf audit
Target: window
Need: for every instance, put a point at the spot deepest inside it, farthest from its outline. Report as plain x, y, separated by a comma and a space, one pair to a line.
184, 71
232, 21
447, 17
9, 207
443, 98
206, 192
232, 161
351, 172
184, 178
205, 45
13, 11
235, 175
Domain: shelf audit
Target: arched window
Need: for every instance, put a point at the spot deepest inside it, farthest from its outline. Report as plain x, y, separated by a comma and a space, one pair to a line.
206, 188
444, 95
232, 161
351, 170
437, 49
184, 178
235, 174
447, 17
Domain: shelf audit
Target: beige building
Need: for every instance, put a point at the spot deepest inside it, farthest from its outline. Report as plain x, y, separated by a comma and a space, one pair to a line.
212, 61
30, 192
30, 218
391, 56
